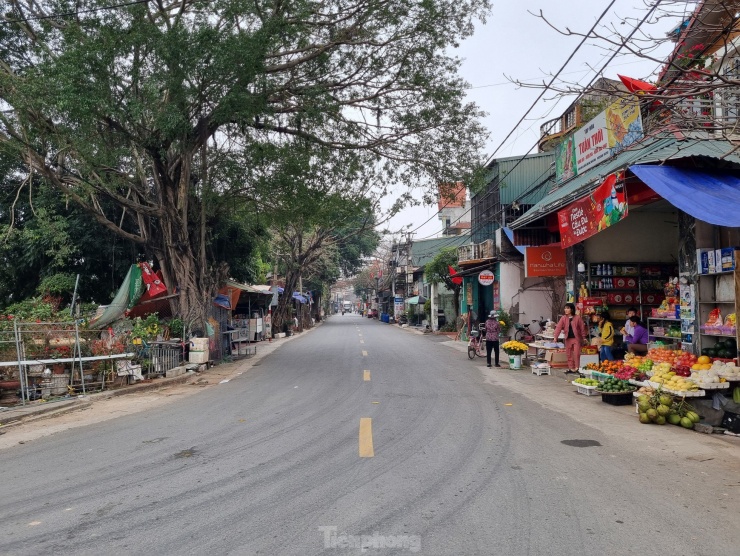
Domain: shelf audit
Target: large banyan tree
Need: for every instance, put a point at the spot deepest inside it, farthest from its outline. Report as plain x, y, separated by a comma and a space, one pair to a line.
156, 116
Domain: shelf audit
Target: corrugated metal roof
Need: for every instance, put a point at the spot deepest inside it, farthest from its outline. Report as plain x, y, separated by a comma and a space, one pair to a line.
520, 177
423, 251
647, 151
246, 288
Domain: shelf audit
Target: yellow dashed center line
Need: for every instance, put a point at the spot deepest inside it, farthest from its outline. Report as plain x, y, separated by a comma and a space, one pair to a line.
362, 341
364, 353
366, 438
366, 376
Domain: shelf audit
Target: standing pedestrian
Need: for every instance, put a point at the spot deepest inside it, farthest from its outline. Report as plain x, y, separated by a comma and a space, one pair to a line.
575, 336
493, 329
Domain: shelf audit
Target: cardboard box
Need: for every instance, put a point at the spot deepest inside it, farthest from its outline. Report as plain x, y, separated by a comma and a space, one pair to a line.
198, 356
557, 358
199, 344
702, 261
710, 262
586, 359
727, 259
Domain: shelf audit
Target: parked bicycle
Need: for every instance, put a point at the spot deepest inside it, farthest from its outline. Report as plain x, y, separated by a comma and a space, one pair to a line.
523, 332
477, 343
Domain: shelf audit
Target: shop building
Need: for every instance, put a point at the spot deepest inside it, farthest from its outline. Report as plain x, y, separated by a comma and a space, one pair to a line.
632, 225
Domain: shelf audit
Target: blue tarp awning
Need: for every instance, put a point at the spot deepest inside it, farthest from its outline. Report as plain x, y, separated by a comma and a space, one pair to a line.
510, 234
298, 297
713, 197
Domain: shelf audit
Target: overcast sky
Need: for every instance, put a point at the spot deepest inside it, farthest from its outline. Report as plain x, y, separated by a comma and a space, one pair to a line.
521, 46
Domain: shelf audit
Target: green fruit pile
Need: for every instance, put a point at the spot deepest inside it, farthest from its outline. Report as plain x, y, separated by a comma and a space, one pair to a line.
587, 381
662, 408
614, 385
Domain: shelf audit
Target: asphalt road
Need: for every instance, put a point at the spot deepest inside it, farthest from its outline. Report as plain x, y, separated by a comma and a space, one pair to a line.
450, 460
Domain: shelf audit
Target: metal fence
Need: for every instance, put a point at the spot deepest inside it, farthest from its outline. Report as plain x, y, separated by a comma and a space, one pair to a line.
43, 360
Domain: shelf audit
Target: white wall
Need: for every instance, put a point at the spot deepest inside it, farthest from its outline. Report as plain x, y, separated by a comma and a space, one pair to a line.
642, 237
523, 295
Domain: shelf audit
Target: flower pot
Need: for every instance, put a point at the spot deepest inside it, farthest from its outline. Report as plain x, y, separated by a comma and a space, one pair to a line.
57, 369
515, 361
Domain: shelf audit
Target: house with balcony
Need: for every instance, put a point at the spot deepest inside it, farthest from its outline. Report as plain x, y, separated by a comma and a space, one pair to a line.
583, 109
513, 185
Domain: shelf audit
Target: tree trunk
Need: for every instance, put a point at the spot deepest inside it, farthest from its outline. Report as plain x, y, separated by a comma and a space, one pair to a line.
281, 315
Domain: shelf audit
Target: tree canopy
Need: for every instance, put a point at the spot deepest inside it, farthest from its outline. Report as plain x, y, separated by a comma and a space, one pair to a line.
438, 270
155, 118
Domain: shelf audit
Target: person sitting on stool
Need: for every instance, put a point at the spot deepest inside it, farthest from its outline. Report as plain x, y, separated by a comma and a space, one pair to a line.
606, 340
638, 340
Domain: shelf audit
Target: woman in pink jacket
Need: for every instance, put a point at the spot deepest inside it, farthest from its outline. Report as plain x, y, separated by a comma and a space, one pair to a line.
575, 336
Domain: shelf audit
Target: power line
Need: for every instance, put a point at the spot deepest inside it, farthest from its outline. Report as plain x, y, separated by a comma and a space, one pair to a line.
547, 87
69, 14
614, 54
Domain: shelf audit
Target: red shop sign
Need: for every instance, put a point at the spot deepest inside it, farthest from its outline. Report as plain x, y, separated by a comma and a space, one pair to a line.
588, 216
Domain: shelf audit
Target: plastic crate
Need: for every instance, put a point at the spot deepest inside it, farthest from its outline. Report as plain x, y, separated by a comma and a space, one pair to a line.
585, 389
617, 399
601, 377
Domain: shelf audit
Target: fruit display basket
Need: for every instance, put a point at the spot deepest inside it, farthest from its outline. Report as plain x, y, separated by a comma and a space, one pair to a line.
617, 398
585, 390
715, 386
681, 393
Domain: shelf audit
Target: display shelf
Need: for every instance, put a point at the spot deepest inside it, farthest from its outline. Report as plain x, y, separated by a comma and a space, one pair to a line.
671, 319
717, 290
665, 337
632, 290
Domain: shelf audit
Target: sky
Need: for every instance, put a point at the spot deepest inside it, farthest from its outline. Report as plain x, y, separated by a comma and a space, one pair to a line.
523, 47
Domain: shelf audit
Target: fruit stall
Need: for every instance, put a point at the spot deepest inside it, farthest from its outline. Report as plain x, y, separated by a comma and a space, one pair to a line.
670, 386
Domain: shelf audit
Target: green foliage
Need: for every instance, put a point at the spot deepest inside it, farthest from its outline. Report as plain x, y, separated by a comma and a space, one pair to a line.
178, 129
145, 329
428, 308
29, 310
177, 328
503, 315
437, 270
58, 284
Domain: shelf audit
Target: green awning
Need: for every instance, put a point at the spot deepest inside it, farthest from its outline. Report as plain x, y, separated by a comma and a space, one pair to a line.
649, 150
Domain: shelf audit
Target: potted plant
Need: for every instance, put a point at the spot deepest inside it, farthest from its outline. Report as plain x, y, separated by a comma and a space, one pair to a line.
506, 323
514, 350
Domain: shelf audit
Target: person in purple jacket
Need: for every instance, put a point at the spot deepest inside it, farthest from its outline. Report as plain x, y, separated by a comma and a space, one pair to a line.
638, 340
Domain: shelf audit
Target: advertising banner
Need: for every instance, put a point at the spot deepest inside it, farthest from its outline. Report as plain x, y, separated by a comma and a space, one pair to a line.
398, 308
606, 135
588, 216
544, 261
565, 160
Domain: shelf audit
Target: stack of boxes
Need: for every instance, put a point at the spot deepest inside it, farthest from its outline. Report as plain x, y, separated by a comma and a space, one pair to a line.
714, 261
198, 350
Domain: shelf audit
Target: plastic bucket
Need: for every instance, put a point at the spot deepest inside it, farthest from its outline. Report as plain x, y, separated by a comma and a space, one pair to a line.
515, 361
